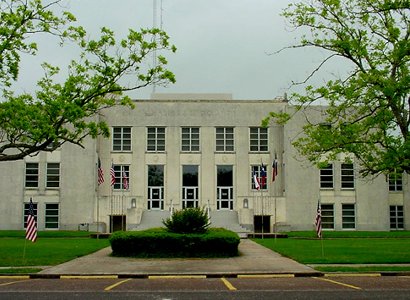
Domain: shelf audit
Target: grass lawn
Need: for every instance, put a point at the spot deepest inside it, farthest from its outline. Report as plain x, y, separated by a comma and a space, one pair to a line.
344, 247
51, 248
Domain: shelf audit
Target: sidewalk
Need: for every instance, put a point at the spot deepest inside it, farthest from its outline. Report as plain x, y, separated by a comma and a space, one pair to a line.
254, 259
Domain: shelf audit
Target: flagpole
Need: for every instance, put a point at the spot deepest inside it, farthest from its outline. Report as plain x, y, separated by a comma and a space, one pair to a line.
122, 211
122, 199
275, 219
111, 208
321, 232
112, 182
98, 198
274, 175
262, 211
24, 251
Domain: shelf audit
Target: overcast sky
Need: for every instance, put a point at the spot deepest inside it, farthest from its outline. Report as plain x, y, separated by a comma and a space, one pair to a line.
223, 45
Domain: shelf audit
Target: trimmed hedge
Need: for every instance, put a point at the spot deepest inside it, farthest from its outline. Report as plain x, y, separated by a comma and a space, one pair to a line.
216, 242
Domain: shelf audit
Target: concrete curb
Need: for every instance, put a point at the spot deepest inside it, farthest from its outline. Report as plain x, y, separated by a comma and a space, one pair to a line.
200, 275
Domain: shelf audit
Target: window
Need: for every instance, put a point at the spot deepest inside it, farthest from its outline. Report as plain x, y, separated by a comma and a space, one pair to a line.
190, 139
348, 216
395, 182
258, 139
190, 189
347, 176
53, 175
260, 173
156, 139
328, 220
121, 177
224, 139
31, 175
51, 219
121, 139
396, 217
326, 177
26, 209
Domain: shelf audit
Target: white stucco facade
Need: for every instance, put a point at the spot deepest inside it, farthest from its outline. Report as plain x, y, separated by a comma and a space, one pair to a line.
152, 141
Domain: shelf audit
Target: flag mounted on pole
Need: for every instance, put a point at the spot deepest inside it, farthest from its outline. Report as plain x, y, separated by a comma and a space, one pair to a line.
31, 229
125, 180
112, 174
318, 220
100, 173
256, 181
274, 168
263, 176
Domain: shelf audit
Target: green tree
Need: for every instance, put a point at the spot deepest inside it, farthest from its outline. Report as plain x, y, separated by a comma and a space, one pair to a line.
368, 109
61, 111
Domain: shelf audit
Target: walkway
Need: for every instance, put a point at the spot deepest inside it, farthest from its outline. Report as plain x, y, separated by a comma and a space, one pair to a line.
254, 259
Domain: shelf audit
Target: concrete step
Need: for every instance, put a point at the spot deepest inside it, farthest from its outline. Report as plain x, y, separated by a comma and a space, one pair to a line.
219, 219
227, 219
152, 219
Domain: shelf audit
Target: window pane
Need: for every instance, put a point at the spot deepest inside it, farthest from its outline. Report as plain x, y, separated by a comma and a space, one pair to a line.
327, 216
326, 176
190, 175
155, 175
31, 174
53, 175
224, 139
156, 139
396, 217
347, 176
348, 216
121, 139
225, 175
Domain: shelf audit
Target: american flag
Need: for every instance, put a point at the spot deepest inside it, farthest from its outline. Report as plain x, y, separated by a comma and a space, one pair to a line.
100, 173
318, 220
274, 168
31, 229
112, 173
125, 180
256, 181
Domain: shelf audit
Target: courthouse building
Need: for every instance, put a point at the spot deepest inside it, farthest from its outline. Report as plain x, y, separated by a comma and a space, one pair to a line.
179, 150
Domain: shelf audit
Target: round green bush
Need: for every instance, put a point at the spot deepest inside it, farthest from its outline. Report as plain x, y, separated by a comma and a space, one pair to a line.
188, 220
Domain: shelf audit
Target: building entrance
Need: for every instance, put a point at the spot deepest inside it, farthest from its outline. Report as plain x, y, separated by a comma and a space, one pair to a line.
224, 187
117, 223
261, 224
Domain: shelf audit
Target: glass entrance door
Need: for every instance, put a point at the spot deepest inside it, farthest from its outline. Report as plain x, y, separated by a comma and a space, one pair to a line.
224, 187
190, 189
155, 187
224, 199
156, 198
189, 197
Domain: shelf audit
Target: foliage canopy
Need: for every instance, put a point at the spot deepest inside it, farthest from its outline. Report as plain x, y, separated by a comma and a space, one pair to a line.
61, 111
368, 109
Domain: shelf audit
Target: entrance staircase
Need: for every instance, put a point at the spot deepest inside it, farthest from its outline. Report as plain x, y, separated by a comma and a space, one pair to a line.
226, 219
152, 219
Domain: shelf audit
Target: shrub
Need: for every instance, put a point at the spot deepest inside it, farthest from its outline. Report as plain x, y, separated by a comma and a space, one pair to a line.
158, 242
188, 220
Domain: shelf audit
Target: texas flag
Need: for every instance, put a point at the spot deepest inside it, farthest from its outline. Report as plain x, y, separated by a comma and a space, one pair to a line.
256, 181
263, 176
